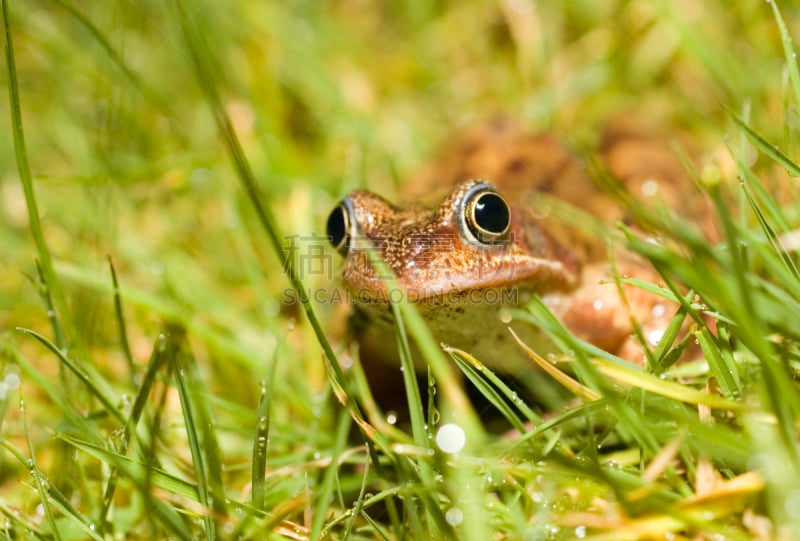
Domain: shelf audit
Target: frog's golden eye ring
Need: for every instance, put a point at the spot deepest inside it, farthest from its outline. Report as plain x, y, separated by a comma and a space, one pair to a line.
487, 214
338, 228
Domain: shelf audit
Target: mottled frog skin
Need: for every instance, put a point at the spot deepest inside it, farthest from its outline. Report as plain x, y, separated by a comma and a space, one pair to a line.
471, 245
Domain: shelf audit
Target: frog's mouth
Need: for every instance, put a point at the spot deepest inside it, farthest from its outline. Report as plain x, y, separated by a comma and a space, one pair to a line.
439, 287
460, 272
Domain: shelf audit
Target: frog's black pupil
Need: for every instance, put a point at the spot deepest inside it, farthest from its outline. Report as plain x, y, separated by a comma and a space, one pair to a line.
337, 227
491, 213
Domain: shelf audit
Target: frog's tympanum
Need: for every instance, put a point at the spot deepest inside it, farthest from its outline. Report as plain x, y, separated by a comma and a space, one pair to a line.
481, 248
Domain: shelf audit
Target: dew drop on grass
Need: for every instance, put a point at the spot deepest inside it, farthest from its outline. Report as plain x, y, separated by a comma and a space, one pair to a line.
391, 418
580, 532
454, 516
655, 337
650, 187
451, 438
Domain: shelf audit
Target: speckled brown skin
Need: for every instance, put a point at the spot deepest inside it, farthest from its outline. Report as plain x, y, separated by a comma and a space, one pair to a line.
430, 252
450, 276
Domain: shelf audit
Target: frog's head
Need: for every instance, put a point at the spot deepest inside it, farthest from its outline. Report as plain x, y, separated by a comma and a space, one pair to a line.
473, 240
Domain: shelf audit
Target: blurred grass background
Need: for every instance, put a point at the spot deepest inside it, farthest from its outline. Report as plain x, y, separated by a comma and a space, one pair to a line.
325, 97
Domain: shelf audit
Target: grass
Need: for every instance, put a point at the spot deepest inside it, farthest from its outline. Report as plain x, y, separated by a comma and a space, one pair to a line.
156, 383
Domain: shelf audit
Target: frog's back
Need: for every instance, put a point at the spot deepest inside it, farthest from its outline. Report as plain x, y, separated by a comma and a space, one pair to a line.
523, 164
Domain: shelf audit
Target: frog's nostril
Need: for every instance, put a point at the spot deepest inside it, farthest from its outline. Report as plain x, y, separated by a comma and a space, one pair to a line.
487, 216
337, 227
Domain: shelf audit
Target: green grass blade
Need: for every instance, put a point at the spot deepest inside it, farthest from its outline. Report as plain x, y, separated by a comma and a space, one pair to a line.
492, 388
261, 439
98, 36
788, 52
199, 432
329, 478
38, 478
13, 517
415, 409
76, 420
358, 506
24, 171
630, 419
764, 146
93, 381
123, 332
179, 363
200, 55
157, 361
774, 210
142, 474
52, 313
727, 374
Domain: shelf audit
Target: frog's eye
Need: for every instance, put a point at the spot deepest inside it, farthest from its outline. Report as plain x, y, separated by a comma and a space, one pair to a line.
487, 215
338, 228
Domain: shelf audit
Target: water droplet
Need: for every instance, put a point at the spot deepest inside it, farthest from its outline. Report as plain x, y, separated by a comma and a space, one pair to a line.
655, 336
391, 418
454, 516
650, 187
580, 532
658, 310
451, 438
597, 305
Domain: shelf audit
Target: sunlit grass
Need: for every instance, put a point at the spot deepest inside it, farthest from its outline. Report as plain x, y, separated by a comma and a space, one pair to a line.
155, 158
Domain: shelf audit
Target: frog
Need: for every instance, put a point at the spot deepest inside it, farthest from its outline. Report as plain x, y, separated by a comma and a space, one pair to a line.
482, 247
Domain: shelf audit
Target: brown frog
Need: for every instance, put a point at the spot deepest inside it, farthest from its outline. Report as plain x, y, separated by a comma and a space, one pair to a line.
481, 248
